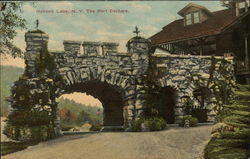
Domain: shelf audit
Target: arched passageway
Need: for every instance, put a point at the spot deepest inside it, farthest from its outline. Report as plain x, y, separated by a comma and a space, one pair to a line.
201, 95
167, 102
110, 97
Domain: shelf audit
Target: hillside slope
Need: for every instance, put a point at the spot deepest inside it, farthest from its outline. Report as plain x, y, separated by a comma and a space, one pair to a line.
231, 137
9, 74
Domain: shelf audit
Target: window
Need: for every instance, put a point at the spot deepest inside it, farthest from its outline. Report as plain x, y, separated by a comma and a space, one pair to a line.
192, 18
188, 19
242, 5
196, 17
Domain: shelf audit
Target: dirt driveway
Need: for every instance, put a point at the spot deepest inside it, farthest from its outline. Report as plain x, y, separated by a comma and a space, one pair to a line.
175, 143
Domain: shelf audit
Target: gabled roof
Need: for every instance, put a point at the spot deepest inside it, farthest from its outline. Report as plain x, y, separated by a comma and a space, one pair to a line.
176, 31
183, 10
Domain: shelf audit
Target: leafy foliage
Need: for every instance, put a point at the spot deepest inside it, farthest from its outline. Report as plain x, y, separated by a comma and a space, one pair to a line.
152, 90
66, 115
153, 124
231, 139
10, 147
10, 22
32, 113
8, 75
192, 121
136, 124
95, 127
79, 113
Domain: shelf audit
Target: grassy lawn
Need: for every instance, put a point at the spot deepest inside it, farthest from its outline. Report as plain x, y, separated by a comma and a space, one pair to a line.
10, 147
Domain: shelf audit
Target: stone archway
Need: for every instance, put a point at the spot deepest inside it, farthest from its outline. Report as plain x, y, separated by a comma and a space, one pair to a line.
167, 102
110, 97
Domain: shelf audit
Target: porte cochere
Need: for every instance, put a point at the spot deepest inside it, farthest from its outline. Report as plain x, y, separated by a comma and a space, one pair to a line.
116, 79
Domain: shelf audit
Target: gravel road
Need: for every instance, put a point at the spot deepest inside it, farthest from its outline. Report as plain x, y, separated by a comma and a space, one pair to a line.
175, 143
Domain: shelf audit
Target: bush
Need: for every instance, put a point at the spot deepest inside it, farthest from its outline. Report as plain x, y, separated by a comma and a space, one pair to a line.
156, 123
192, 121
10, 132
10, 147
153, 124
34, 134
95, 127
230, 138
136, 124
218, 149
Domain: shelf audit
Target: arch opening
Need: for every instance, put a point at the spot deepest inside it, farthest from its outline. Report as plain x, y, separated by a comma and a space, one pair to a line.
109, 96
79, 112
167, 101
199, 109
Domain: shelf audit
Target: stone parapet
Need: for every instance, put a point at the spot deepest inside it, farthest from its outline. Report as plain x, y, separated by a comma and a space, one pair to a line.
72, 47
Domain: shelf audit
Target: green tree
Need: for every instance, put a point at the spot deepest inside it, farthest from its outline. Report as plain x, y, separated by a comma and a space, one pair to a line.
66, 115
83, 117
10, 21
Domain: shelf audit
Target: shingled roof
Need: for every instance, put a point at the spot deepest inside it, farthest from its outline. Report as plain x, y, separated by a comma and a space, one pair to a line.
176, 31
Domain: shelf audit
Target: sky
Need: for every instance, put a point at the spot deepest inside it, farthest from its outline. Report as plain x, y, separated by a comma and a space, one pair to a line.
93, 21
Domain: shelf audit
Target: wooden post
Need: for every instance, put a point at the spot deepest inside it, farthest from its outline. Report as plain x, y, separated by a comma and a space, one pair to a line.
246, 6
237, 8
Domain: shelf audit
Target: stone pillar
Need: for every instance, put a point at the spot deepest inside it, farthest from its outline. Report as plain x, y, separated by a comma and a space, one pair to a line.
55, 111
179, 109
109, 47
129, 113
140, 49
34, 42
92, 48
138, 44
72, 47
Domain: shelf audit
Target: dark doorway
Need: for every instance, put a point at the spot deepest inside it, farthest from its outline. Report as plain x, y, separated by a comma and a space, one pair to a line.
166, 106
200, 111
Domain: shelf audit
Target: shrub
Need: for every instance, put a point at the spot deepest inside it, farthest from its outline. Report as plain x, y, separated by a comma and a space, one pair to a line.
34, 134
192, 121
95, 127
153, 124
136, 124
10, 132
156, 123
230, 138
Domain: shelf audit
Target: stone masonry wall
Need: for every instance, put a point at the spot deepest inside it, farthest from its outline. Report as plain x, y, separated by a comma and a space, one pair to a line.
101, 62
188, 73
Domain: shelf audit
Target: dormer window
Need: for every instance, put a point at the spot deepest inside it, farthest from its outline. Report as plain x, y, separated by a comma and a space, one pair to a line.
245, 4
242, 7
192, 18
188, 19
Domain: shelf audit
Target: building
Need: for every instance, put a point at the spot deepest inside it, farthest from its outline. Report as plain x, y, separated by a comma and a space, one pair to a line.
202, 32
